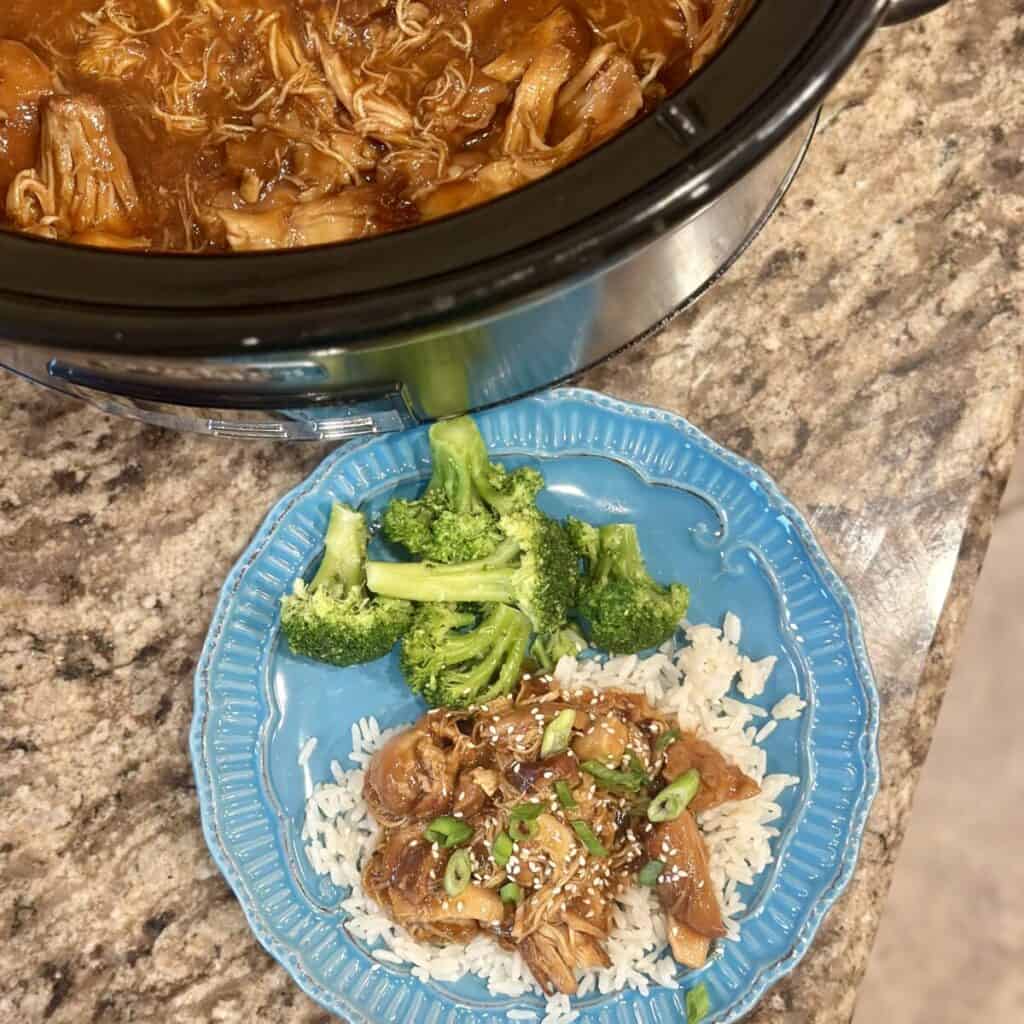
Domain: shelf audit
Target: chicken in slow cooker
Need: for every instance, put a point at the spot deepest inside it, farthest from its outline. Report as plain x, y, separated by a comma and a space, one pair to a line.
212, 125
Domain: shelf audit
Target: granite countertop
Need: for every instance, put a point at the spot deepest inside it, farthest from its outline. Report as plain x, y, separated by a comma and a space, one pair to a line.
866, 350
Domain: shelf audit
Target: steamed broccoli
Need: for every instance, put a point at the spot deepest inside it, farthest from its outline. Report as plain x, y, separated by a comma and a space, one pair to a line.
464, 471
535, 568
549, 649
426, 527
626, 610
333, 618
583, 537
453, 659
455, 520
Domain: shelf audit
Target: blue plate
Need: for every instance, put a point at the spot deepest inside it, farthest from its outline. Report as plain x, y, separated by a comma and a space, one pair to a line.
704, 516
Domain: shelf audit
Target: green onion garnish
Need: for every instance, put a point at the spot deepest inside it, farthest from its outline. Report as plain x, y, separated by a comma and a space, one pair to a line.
674, 798
458, 873
665, 740
650, 873
556, 735
522, 829
613, 779
526, 812
510, 892
588, 839
697, 1004
564, 794
636, 766
501, 851
447, 831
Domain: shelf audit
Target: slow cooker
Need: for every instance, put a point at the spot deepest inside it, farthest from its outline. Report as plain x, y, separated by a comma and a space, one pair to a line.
458, 314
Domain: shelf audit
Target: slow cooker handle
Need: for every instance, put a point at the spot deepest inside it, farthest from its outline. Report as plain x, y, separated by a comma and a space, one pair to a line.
905, 10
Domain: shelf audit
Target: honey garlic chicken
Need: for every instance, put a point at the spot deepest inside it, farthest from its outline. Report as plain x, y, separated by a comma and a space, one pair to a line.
233, 125
524, 819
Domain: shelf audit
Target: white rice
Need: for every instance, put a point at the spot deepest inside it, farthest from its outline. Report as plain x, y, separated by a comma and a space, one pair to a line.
754, 675
691, 682
791, 706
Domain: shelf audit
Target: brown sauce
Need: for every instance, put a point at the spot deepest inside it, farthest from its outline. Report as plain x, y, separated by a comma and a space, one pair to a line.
211, 125
567, 829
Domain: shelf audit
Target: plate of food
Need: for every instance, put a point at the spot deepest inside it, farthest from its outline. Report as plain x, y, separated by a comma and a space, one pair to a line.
555, 713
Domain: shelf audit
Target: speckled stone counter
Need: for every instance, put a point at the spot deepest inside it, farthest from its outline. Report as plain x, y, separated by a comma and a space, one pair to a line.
866, 350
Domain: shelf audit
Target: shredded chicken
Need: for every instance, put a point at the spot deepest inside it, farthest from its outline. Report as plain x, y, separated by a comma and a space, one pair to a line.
561, 27
413, 775
608, 98
348, 215
720, 781
527, 126
479, 777
685, 889
242, 124
83, 182
108, 53
556, 952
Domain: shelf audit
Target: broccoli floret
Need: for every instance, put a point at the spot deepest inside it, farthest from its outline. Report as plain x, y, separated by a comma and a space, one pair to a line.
333, 618
583, 537
509, 492
562, 643
427, 529
625, 609
464, 471
535, 568
455, 520
453, 660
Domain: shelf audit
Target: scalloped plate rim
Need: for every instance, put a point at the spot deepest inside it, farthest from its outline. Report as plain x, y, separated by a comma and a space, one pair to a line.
767, 974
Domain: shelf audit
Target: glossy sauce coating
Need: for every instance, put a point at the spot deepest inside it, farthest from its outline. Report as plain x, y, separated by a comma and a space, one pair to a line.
206, 125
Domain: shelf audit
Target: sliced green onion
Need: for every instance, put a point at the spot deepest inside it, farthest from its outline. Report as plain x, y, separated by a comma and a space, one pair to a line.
448, 832
522, 829
564, 794
526, 812
501, 851
665, 740
613, 779
650, 873
510, 892
674, 798
588, 839
698, 1004
636, 766
458, 873
556, 735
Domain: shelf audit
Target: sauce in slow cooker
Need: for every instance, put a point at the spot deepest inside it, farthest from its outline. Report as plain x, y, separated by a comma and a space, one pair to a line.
212, 125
